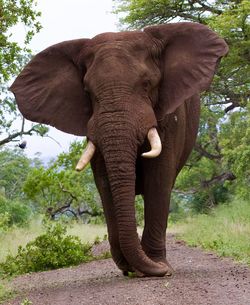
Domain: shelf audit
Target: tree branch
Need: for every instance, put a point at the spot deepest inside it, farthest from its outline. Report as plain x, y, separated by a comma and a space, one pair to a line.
207, 183
208, 8
73, 197
61, 210
17, 134
220, 178
88, 212
203, 152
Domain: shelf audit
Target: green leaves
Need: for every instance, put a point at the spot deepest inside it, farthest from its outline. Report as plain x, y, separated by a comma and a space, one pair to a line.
14, 170
11, 13
51, 250
60, 189
13, 212
13, 57
235, 139
15, 167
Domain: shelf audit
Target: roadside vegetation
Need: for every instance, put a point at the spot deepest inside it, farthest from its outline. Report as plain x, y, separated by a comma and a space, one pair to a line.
225, 230
52, 249
20, 236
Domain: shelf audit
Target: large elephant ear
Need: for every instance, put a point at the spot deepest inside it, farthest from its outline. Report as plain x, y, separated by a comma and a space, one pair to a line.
191, 53
50, 88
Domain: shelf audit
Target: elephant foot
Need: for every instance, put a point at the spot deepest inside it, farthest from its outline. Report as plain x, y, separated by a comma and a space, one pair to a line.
158, 257
140, 274
165, 262
136, 273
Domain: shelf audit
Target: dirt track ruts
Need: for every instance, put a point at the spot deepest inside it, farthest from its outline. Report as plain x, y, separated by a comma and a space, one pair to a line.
200, 278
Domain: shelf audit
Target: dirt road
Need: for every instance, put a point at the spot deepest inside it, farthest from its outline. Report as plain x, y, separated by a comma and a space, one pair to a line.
200, 278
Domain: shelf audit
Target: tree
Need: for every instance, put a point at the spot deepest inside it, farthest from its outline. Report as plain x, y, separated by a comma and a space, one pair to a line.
221, 151
15, 167
12, 59
59, 189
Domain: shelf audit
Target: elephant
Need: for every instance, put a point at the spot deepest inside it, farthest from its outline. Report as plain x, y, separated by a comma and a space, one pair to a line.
135, 96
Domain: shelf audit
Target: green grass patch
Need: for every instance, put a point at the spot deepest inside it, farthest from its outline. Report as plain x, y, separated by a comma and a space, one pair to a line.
87, 232
226, 230
5, 292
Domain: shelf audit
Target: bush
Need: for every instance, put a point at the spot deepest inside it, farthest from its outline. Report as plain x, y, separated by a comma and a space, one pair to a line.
4, 221
14, 212
51, 250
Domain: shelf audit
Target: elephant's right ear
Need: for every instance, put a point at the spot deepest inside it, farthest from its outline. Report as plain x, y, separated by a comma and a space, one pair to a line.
50, 88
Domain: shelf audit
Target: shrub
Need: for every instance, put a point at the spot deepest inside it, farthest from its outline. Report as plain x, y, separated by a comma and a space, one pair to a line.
14, 212
4, 221
51, 250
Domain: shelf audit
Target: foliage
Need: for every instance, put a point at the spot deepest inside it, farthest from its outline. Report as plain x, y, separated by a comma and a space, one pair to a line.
5, 292
59, 189
13, 57
13, 212
51, 250
15, 167
141, 13
12, 13
235, 139
26, 301
139, 207
226, 230
219, 164
20, 236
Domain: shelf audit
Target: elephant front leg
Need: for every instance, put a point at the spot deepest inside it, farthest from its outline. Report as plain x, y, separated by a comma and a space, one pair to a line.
158, 181
103, 187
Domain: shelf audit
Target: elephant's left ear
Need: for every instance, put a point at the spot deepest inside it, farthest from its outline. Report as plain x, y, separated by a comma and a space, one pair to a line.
191, 53
50, 88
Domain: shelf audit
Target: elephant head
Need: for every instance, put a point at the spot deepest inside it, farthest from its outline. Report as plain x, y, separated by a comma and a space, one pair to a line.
114, 89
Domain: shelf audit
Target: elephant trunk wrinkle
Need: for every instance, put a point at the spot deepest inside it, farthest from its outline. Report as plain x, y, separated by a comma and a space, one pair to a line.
110, 92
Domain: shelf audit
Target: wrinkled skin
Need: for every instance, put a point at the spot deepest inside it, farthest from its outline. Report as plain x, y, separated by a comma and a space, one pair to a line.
114, 88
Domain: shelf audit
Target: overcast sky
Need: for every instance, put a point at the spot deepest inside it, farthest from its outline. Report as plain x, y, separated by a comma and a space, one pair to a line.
65, 20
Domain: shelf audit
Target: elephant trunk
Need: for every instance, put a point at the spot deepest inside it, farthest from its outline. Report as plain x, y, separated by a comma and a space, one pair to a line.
119, 145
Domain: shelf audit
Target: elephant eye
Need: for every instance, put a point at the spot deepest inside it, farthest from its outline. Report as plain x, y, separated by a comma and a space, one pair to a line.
86, 90
146, 84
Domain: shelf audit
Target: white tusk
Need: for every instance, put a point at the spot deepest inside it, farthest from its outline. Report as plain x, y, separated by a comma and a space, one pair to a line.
86, 156
155, 143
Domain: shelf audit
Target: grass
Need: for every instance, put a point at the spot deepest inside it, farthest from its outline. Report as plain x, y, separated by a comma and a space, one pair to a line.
226, 231
5, 292
88, 233
9, 241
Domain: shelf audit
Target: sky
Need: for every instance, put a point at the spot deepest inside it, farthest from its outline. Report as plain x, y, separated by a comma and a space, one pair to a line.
64, 20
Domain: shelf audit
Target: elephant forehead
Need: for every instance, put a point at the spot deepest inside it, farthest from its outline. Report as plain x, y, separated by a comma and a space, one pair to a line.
137, 39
